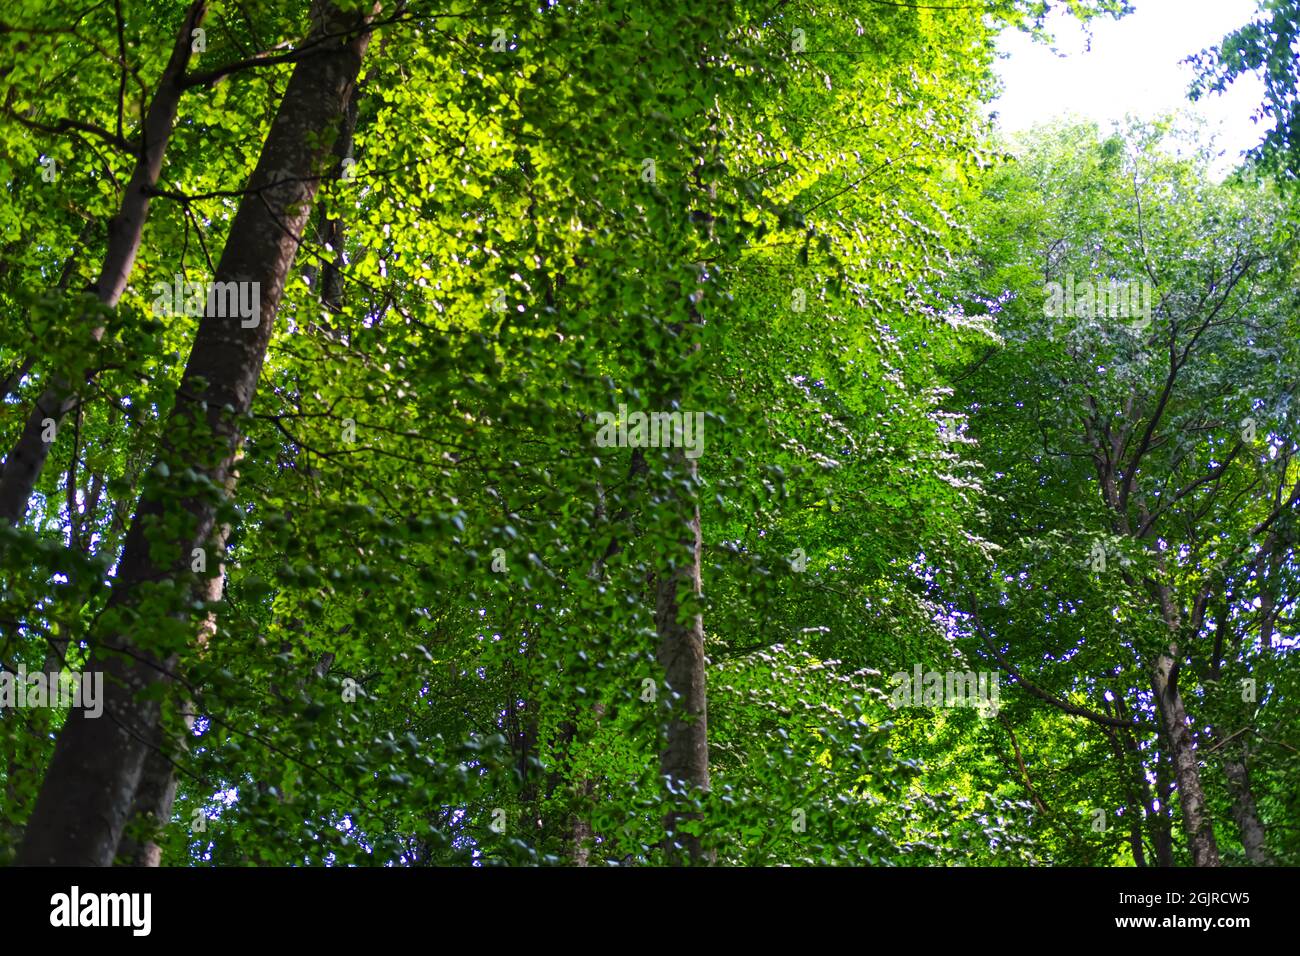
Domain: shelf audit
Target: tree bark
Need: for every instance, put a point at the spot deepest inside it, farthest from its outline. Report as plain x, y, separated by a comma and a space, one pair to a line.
152, 810
91, 785
327, 279
1182, 751
1254, 840
155, 794
684, 762
1236, 750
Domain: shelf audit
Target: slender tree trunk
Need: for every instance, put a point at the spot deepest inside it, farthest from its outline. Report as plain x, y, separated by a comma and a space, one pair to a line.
1182, 751
1236, 752
579, 835
1235, 748
12, 379
1162, 835
328, 278
582, 838
1132, 795
27, 458
9, 385
1172, 714
1254, 840
90, 788
684, 761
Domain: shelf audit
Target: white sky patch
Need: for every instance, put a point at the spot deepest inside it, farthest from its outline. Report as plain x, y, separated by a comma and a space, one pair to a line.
1133, 66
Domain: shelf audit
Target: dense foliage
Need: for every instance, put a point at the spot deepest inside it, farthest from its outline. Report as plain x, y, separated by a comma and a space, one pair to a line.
392, 577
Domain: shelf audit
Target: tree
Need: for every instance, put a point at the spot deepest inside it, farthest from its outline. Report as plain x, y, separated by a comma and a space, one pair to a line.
1127, 435
90, 786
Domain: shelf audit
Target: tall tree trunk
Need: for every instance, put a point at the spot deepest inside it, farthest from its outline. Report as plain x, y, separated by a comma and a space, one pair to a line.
90, 788
1182, 751
27, 458
328, 278
156, 793
1254, 840
1236, 749
1245, 813
684, 761
1172, 715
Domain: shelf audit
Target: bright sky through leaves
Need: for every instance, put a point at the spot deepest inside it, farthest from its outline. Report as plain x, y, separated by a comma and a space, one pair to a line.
1130, 66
